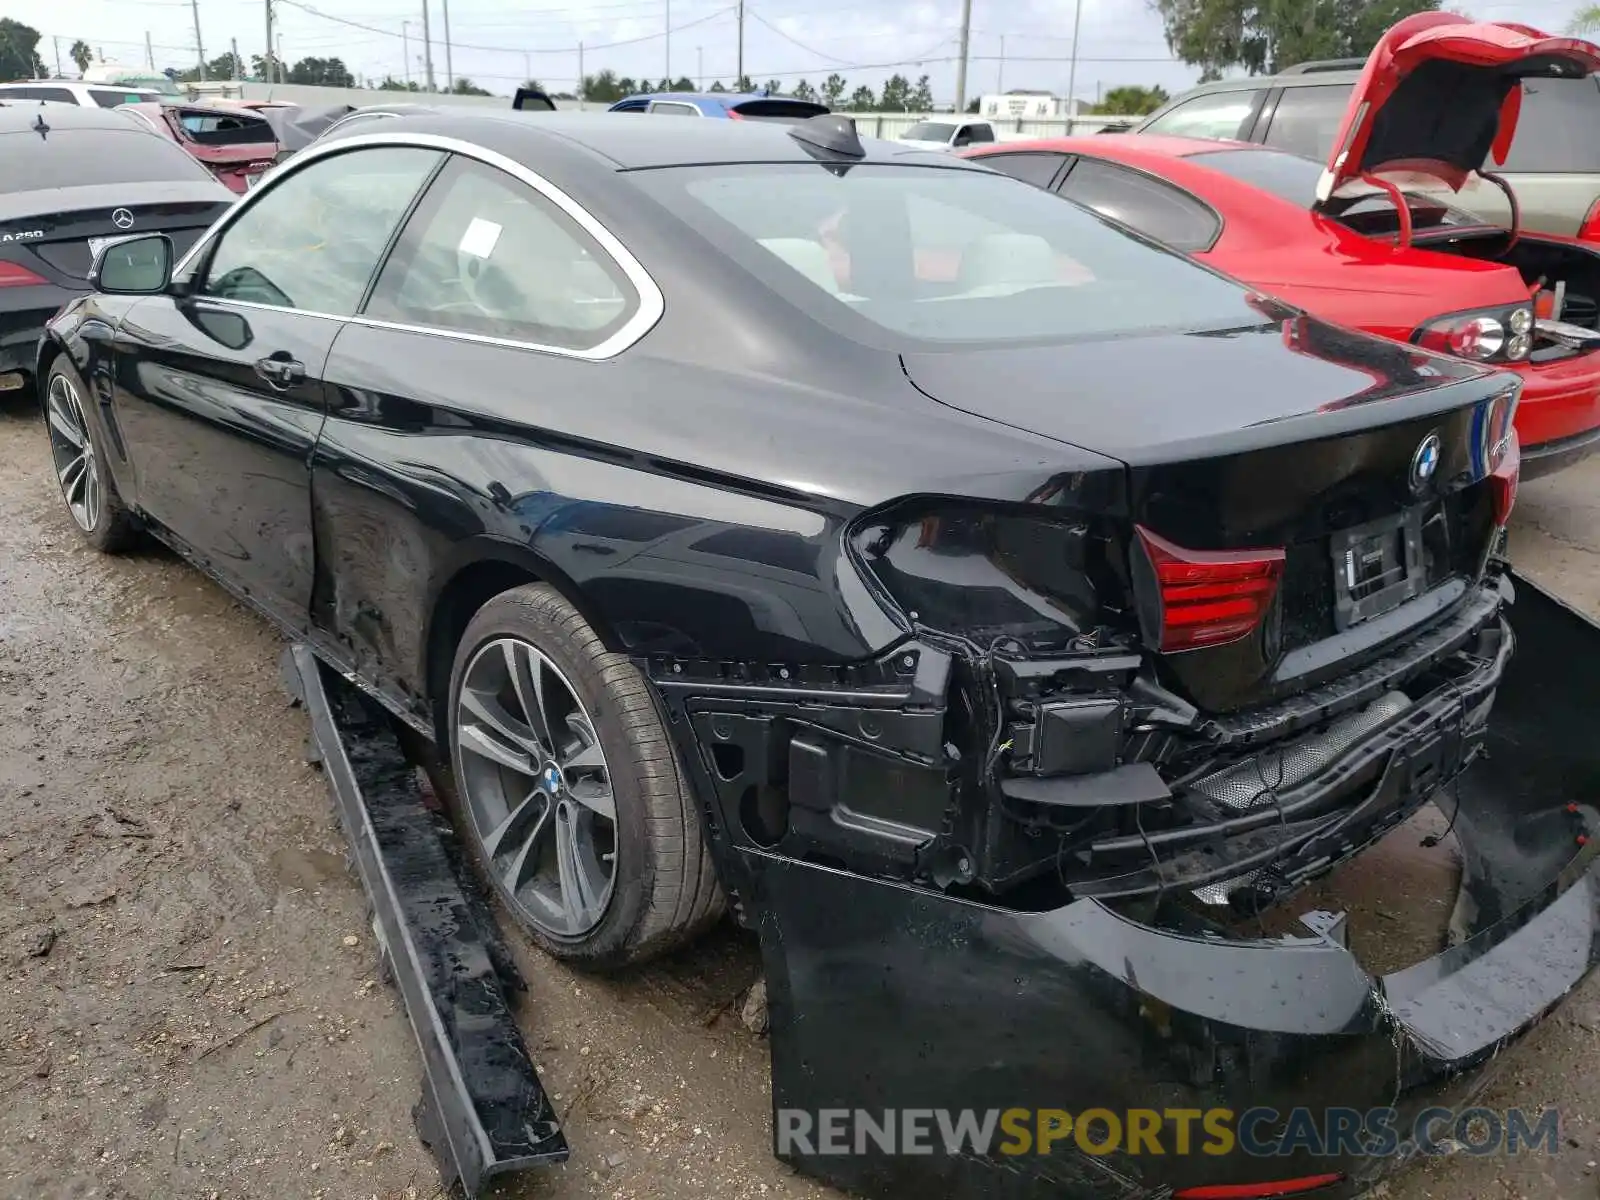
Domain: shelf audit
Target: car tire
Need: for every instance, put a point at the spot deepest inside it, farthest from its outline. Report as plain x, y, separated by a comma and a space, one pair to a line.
545, 852
86, 486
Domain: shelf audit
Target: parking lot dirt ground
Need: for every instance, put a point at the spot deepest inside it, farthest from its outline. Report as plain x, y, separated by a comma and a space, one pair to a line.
189, 1004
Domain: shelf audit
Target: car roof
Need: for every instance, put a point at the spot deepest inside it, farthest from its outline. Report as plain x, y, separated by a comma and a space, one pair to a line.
716, 97
22, 118
1128, 145
627, 143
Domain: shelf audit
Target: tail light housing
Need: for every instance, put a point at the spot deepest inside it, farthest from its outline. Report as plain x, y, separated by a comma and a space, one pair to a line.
16, 275
1589, 231
1204, 597
1270, 1190
1488, 335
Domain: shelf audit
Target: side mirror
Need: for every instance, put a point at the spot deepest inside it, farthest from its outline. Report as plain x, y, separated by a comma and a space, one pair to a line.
133, 266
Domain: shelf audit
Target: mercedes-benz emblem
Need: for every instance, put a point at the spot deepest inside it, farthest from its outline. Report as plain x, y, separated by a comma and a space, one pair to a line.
1425, 462
122, 219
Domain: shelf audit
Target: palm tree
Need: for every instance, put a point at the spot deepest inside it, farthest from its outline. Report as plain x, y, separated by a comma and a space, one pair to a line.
1585, 20
81, 54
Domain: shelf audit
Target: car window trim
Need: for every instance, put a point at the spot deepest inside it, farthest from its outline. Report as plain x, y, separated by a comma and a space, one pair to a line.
1261, 120
1056, 177
652, 304
1081, 155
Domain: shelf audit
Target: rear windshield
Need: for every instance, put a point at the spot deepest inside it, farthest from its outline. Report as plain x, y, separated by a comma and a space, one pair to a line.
212, 128
943, 255
785, 111
72, 157
1292, 178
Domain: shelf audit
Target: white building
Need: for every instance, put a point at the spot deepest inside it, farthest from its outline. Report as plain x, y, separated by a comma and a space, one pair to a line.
1023, 105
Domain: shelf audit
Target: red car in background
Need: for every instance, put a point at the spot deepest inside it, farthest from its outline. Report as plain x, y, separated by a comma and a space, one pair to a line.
235, 145
1352, 241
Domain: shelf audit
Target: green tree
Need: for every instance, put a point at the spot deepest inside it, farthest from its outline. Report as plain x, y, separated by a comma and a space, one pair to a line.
833, 90
462, 87
220, 67
716, 86
896, 94
1585, 20
390, 84
19, 51
862, 100
972, 106
774, 87
745, 84
922, 96
267, 68
1130, 100
603, 87
803, 91
627, 87
81, 54
322, 72
1271, 35
533, 85
683, 84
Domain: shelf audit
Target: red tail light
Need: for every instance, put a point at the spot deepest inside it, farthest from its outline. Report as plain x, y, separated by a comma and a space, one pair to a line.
1589, 231
1503, 481
1210, 597
1488, 335
1259, 1191
16, 275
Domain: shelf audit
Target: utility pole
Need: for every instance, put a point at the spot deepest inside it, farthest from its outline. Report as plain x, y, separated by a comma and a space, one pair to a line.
1000, 78
405, 45
283, 74
739, 70
199, 46
583, 90
669, 41
961, 64
527, 68
700, 67
427, 50
149, 52
449, 71
238, 67
266, 51
1072, 70
57, 42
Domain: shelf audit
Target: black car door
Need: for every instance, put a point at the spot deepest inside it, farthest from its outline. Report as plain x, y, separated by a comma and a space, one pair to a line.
220, 392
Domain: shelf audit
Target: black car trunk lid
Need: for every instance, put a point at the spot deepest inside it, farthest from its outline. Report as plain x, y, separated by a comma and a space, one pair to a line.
1340, 483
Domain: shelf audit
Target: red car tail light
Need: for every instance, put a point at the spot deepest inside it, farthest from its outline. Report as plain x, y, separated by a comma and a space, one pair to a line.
1209, 597
1259, 1191
17, 275
1491, 335
1503, 481
1589, 231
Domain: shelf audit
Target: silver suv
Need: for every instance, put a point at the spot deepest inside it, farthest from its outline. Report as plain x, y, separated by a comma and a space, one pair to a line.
1553, 165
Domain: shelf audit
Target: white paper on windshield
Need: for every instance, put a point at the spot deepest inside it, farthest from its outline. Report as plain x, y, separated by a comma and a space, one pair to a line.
480, 238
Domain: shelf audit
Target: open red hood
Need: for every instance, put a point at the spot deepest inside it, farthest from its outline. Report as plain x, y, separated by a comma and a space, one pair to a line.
1439, 95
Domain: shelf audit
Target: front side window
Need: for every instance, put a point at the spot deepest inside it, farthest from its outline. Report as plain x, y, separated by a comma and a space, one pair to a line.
1558, 129
1306, 119
978, 133
1215, 115
110, 99
486, 254
930, 131
891, 253
1141, 202
313, 241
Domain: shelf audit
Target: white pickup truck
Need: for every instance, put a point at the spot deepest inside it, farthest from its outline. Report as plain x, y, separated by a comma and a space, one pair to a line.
951, 134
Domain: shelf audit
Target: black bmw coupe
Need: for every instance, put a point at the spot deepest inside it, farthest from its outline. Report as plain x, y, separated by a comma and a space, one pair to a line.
997, 608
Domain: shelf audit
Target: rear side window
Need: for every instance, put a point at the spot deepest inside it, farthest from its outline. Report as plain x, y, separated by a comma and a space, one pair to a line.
1306, 119
1215, 115
1140, 202
673, 108
1028, 166
38, 93
1559, 128
486, 254
110, 99
68, 157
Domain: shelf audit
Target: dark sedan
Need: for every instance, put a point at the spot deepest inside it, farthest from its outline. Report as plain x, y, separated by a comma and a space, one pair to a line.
1001, 611
70, 179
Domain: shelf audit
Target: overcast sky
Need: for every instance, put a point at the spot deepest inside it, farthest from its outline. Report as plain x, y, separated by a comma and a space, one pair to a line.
498, 45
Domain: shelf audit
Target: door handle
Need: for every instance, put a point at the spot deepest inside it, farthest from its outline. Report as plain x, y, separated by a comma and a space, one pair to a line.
280, 372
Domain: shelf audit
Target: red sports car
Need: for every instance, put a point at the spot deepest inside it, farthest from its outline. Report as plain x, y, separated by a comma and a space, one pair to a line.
235, 145
1353, 242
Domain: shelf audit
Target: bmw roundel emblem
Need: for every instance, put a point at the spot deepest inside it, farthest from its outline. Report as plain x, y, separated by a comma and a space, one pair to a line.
1425, 462
552, 779
122, 219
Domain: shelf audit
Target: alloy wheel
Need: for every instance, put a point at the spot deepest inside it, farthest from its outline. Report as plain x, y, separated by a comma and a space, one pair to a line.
73, 450
535, 785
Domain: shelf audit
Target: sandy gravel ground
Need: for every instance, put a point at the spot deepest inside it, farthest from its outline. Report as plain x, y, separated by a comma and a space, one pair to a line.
188, 998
